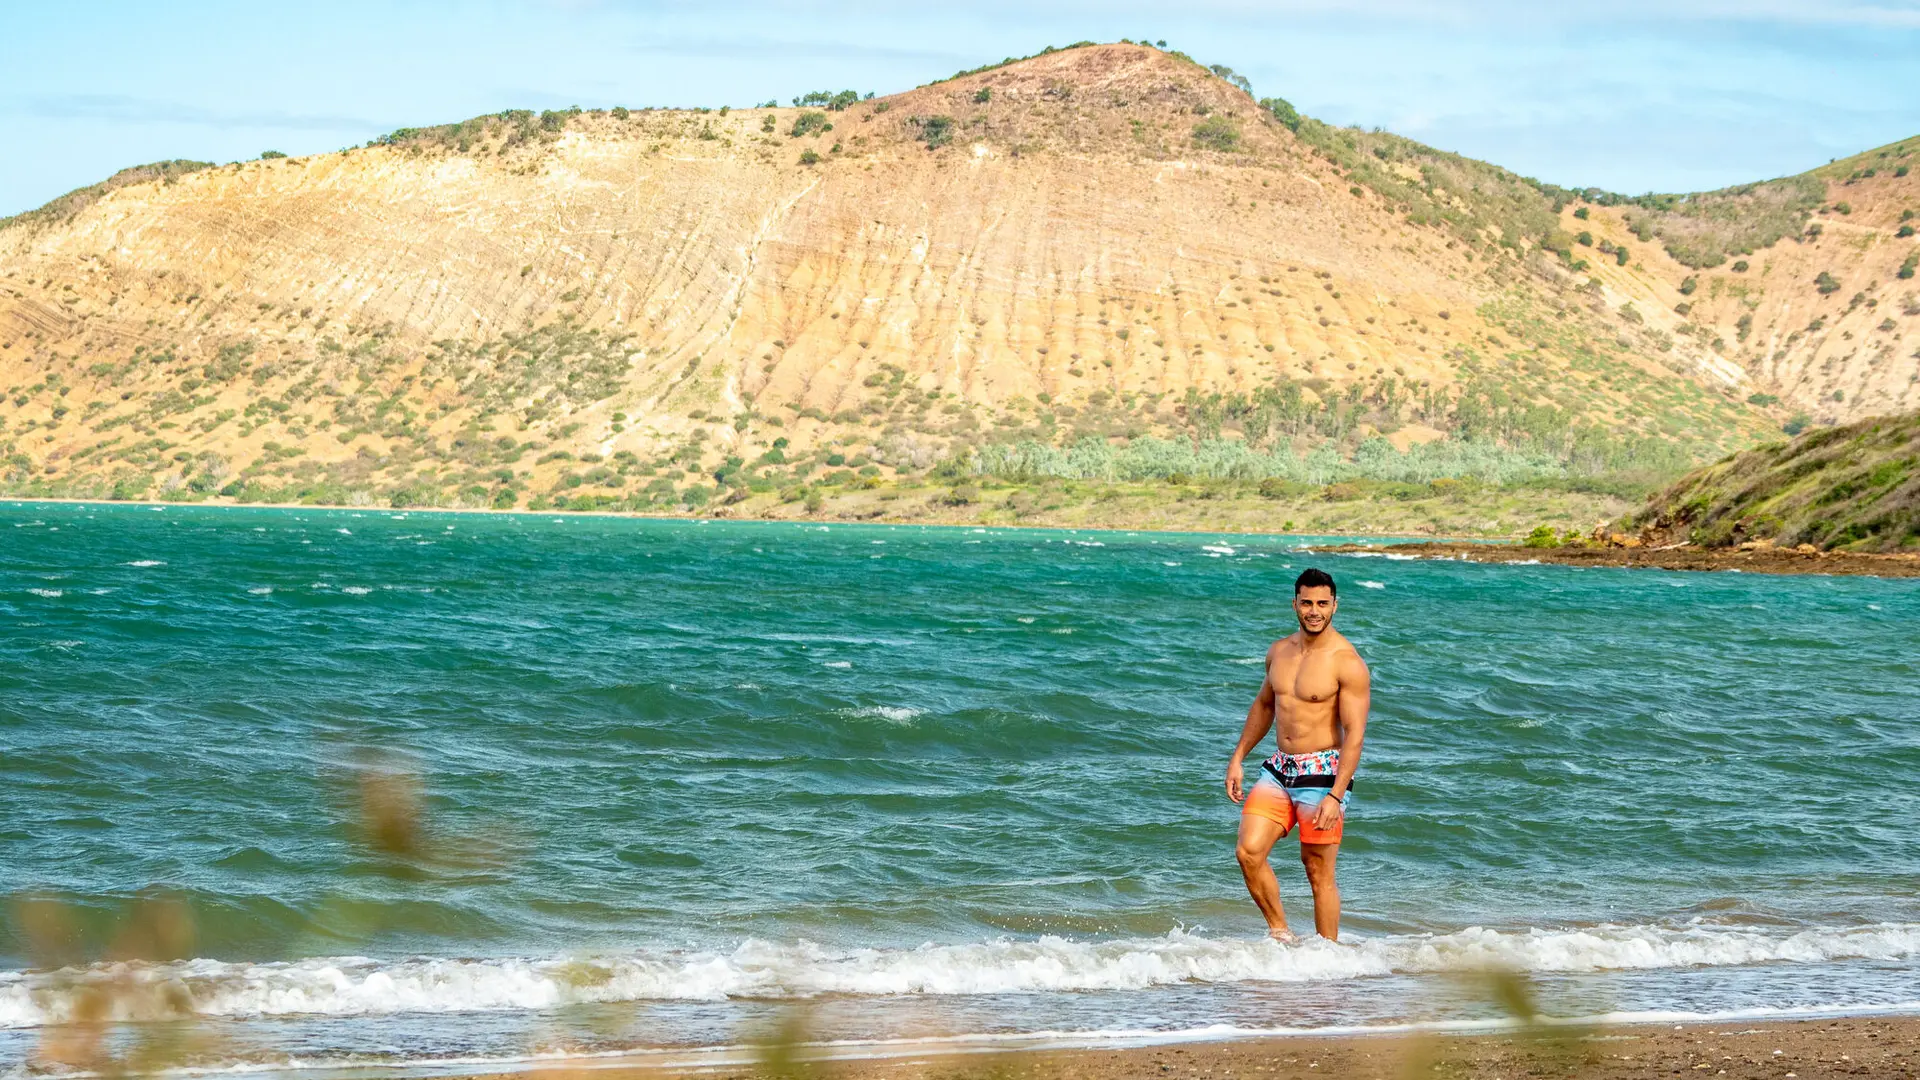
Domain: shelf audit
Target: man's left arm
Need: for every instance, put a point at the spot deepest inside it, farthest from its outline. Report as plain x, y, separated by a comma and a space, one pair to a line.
1356, 697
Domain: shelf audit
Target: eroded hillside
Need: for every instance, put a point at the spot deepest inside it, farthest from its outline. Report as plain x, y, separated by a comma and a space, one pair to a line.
1104, 243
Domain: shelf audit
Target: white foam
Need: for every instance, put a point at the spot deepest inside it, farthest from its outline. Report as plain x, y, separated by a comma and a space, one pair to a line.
1371, 584
894, 714
759, 969
1217, 549
264, 590
51, 594
836, 663
356, 590
147, 562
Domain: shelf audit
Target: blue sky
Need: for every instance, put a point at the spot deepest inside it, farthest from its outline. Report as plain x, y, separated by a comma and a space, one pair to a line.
1631, 95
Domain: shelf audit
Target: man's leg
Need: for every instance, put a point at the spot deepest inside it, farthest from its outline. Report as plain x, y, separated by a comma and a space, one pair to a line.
1318, 859
1257, 835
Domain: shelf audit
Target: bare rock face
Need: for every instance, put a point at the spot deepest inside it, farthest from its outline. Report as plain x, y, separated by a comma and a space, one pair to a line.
1096, 231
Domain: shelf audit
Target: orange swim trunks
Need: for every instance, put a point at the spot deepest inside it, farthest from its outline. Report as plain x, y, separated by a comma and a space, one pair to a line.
1290, 789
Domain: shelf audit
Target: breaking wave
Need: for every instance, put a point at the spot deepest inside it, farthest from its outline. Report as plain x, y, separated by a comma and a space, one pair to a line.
354, 986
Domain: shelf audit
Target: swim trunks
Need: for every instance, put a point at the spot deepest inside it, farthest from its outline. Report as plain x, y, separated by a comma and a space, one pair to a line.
1290, 789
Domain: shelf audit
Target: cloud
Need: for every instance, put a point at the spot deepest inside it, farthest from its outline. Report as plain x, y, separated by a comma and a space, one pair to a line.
764, 48
125, 109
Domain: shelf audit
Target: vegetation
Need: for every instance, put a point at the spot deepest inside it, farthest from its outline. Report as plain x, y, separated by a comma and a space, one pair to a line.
1048, 51
827, 99
1482, 204
66, 207
809, 123
1855, 487
935, 131
1217, 133
1705, 229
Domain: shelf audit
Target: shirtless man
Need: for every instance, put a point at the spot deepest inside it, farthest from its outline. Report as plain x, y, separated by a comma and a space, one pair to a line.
1317, 689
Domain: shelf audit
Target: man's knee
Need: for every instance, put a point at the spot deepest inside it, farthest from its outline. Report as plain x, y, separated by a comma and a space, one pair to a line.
1251, 855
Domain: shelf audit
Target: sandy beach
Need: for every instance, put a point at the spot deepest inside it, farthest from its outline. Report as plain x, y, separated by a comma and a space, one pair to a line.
1879, 1046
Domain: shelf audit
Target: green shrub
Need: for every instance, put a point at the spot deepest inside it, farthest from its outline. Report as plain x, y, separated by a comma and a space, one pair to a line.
935, 131
837, 102
1581, 213
1904, 232
1620, 255
1740, 267
808, 157
808, 123
983, 95
1217, 133
1907, 268
269, 155
1688, 285
1763, 400
1282, 111
1584, 238
620, 112
1827, 283
1844, 208
1542, 536
1796, 424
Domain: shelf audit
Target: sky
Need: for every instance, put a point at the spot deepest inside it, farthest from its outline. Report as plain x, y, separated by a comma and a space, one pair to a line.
1630, 95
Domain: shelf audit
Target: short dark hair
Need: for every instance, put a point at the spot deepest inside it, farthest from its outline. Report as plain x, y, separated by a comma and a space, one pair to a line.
1313, 579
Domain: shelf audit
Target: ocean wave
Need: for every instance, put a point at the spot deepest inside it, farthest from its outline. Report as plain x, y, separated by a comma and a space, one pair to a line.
357, 986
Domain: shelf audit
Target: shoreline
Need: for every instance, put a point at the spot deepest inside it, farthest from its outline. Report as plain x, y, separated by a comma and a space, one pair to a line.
749, 520
1872, 1044
1765, 560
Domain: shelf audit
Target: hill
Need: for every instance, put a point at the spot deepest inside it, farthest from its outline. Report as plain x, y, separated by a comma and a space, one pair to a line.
1105, 262
1855, 488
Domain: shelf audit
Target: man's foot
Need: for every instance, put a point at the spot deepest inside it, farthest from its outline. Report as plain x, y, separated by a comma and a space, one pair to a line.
1282, 935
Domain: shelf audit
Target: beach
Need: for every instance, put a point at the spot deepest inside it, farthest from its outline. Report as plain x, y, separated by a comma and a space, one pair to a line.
1886, 1046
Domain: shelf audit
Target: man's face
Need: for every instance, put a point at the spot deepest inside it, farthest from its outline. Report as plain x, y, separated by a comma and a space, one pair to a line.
1314, 606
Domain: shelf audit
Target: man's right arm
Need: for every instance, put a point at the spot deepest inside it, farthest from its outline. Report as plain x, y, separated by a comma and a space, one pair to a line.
1259, 722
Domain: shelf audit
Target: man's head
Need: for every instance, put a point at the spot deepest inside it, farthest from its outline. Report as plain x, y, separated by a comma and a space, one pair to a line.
1314, 601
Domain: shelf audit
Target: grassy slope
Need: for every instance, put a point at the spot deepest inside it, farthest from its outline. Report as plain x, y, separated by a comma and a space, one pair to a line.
1855, 487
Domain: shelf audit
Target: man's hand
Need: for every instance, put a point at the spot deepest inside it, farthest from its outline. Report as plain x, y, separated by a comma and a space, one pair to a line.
1328, 813
1235, 779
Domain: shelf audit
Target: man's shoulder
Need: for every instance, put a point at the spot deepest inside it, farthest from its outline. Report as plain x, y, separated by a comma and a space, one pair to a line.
1346, 650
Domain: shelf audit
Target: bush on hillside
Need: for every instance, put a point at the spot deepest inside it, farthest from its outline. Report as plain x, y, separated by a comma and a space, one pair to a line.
808, 123
828, 99
935, 131
1282, 111
1217, 133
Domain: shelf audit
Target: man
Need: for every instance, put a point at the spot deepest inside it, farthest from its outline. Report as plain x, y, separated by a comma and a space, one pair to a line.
1317, 689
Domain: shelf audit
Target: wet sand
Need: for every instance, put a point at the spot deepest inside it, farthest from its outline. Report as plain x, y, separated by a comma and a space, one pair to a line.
1879, 1046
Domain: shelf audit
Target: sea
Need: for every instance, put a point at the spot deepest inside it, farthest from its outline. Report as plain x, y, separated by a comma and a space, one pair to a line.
413, 793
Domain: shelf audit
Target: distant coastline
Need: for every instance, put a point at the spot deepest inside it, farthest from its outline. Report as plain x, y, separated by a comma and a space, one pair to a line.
1484, 549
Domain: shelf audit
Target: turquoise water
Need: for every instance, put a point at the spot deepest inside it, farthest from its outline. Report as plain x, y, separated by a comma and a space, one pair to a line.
678, 775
